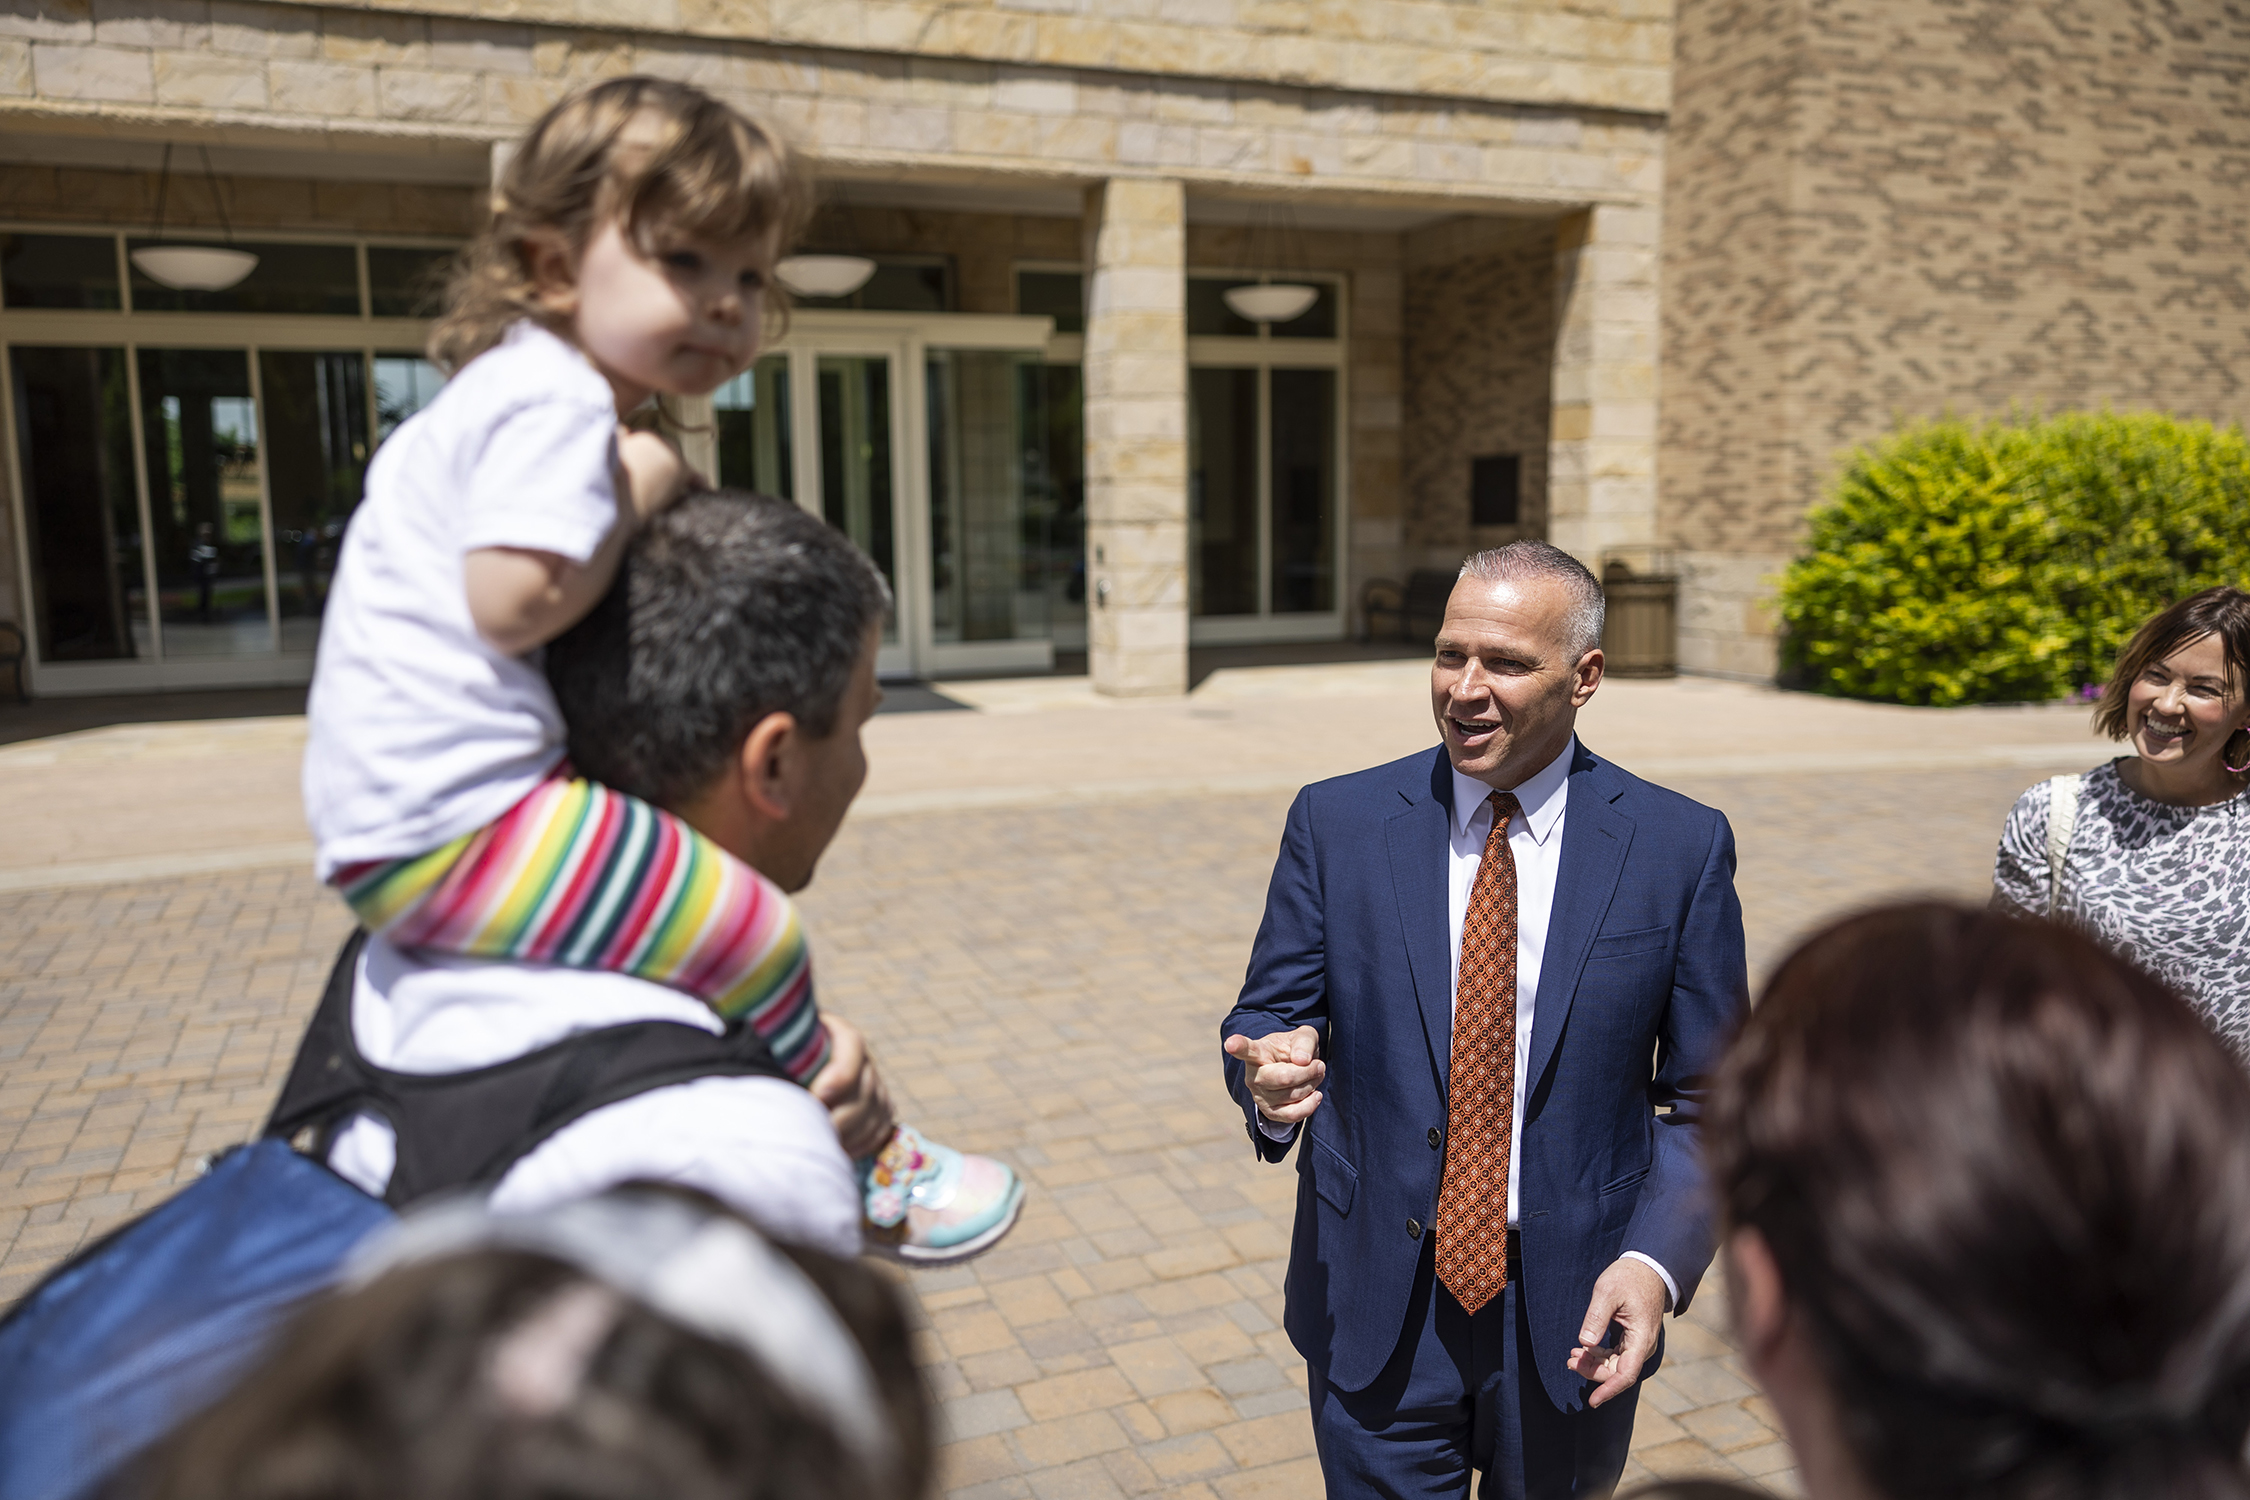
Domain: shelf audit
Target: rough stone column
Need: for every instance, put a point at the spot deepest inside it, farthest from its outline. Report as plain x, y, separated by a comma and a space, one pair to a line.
1136, 437
1601, 443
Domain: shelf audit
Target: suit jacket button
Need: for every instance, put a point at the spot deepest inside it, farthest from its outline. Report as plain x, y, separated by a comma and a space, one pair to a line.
1436, 1139
1413, 1229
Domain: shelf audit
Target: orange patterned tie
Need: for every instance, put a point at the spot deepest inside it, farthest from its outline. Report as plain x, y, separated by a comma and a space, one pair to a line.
1472, 1210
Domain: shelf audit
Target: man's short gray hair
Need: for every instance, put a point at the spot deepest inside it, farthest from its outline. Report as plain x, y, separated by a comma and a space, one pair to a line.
1518, 561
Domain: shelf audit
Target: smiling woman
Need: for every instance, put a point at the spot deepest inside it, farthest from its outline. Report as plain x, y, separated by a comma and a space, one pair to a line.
2151, 852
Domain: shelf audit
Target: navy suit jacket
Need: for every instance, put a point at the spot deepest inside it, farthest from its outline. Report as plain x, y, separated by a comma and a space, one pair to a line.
1642, 984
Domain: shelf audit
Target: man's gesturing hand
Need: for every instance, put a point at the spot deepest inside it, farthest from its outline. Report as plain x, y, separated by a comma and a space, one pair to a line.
1285, 1072
1632, 1296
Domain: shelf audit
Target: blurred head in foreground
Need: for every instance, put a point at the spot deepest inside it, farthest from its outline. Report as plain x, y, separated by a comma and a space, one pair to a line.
1987, 1197
643, 1343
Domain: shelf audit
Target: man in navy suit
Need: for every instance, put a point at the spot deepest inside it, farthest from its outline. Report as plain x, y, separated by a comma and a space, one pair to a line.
1494, 1040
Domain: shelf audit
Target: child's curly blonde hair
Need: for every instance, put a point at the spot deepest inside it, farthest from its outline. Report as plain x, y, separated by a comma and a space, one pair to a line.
654, 155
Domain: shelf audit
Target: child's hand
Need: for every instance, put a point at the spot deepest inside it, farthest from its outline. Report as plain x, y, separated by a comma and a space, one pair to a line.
655, 474
857, 1100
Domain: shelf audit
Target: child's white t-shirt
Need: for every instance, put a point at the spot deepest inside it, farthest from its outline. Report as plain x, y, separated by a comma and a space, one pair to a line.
421, 731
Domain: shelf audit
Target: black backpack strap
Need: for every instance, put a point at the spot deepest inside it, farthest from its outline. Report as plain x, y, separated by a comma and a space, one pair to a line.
329, 1082
465, 1130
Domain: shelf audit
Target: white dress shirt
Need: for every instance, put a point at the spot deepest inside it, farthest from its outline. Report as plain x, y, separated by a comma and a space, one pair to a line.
1535, 839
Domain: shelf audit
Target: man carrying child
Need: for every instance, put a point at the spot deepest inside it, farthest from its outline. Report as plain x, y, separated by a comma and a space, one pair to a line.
629, 258
725, 678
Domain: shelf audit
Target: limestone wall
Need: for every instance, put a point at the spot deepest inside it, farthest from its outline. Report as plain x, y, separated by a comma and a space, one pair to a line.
390, 79
1609, 53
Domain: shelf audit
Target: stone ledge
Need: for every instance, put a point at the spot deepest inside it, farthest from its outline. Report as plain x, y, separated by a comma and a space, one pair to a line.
1524, 53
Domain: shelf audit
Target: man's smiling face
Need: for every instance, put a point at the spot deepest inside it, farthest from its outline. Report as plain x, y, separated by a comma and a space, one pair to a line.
1505, 686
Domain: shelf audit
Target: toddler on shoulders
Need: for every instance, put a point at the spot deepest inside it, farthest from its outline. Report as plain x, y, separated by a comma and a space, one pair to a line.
629, 258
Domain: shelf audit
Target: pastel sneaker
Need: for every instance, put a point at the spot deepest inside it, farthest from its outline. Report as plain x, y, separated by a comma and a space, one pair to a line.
930, 1205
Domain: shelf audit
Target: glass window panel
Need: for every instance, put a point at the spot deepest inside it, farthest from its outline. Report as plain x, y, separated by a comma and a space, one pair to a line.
897, 286
855, 458
1304, 490
1054, 404
406, 283
907, 288
59, 270
201, 429
1315, 322
1208, 315
82, 525
1222, 492
751, 412
316, 460
1060, 295
404, 384
312, 279
987, 546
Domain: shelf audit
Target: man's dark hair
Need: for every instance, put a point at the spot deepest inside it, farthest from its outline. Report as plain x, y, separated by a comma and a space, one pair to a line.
2005, 1177
728, 607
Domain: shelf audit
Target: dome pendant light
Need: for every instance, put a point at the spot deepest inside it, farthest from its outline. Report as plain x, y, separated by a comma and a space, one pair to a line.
193, 268
824, 275
1271, 246
1271, 301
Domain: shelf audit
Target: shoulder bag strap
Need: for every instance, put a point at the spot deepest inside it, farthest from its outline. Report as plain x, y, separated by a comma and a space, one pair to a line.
2062, 820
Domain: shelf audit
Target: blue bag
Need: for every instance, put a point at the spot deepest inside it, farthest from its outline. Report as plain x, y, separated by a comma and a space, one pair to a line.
146, 1327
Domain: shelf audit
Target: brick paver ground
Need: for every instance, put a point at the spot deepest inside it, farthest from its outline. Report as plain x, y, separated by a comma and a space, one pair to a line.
1042, 982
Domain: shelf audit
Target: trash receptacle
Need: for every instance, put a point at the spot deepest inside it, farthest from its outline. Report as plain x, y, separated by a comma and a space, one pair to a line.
1641, 634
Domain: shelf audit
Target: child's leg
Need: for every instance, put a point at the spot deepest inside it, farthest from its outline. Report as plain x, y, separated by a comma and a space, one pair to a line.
580, 875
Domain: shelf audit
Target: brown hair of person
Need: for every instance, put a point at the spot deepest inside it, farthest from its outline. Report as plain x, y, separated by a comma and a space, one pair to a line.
2224, 612
2005, 1177
657, 157
384, 1392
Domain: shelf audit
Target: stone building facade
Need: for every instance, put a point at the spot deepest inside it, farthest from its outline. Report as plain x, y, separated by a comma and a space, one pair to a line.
1900, 210
1474, 189
1041, 415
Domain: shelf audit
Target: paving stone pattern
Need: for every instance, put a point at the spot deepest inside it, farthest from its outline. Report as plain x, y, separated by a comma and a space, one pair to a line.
1043, 984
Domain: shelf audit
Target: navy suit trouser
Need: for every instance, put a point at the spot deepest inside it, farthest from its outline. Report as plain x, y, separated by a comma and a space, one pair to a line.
1459, 1394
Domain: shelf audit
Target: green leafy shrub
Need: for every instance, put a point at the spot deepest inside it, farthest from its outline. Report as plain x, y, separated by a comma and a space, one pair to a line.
2011, 560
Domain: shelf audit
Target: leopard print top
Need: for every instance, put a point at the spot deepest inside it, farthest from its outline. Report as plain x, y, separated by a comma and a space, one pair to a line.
2168, 887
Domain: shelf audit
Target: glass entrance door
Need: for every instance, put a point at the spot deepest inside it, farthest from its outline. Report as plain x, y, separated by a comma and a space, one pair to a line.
822, 425
929, 456
199, 423
991, 518
858, 488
